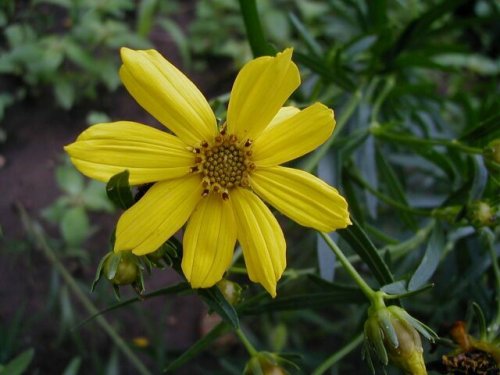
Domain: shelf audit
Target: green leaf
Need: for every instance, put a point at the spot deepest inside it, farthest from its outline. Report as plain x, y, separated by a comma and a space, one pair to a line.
315, 300
313, 46
394, 187
198, 347
430, 260
216, 301
64, 92
483, 132
73, 367
145, 16
69, 179
180, 288
359, 241
118, 190
94, 197
75, 226
180, 39
18, 365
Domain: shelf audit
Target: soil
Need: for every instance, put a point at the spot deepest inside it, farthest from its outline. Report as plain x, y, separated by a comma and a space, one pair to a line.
37, 132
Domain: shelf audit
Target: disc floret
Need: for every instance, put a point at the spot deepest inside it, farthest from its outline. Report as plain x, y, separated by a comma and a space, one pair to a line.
223, 164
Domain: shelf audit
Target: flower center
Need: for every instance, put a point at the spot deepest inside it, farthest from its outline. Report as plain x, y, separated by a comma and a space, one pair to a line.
224, 164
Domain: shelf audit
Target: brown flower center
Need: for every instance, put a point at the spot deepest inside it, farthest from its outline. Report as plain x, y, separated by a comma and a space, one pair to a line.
224, 164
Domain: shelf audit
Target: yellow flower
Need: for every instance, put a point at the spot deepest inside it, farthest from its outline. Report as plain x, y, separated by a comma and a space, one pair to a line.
214, 178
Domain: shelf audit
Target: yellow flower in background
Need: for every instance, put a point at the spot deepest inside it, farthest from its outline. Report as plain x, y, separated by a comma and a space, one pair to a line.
215, 178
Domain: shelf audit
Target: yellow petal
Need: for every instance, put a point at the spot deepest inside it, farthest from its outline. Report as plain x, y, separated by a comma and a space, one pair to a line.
261, 238
283, 114
209, 242
167, 94
149, 154
158, 215
294, 136
302, 197
260, 89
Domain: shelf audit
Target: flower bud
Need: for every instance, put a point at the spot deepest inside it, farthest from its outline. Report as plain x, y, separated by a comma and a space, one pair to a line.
230, 290
394, 339
492, 151
264, 364
482, 214
125, 273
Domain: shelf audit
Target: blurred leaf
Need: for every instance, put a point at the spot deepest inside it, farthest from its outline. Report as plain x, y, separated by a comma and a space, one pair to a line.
179, 38
313, 46
75, 226
118, 190
113, 365
476, 63
430, 260
276, 25
355, 236
311, 300
420, 27
69, 179
145, 16
73, 367
94, 197
198, 347
181, 288
56, 210
483, 132
65, 93
394, 187
95, 117
216, 301
18, 365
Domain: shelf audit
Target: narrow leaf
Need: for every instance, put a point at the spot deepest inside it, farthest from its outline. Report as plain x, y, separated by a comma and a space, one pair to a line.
198, 347
430, 260
359, 241
18, 365
216, 301
394, 187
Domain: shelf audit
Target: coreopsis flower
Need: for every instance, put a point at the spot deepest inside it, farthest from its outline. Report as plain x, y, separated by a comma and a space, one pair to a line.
215, 178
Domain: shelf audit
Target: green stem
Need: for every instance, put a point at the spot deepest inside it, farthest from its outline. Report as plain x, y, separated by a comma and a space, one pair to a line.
246, 343
40, 240
255, 34
337, 356
380, 132
388, 86
365, 288
363, 183
351, 106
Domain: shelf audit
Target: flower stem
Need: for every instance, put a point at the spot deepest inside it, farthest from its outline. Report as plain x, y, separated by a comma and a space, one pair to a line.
380, 132
365, 288
351, 106
36, 232
255, 34
246, 343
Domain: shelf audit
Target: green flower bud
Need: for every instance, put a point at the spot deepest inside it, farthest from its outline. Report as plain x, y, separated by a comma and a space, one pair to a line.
124, 273
264, 364
393, 338
492, 151
231, 291
482, 214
